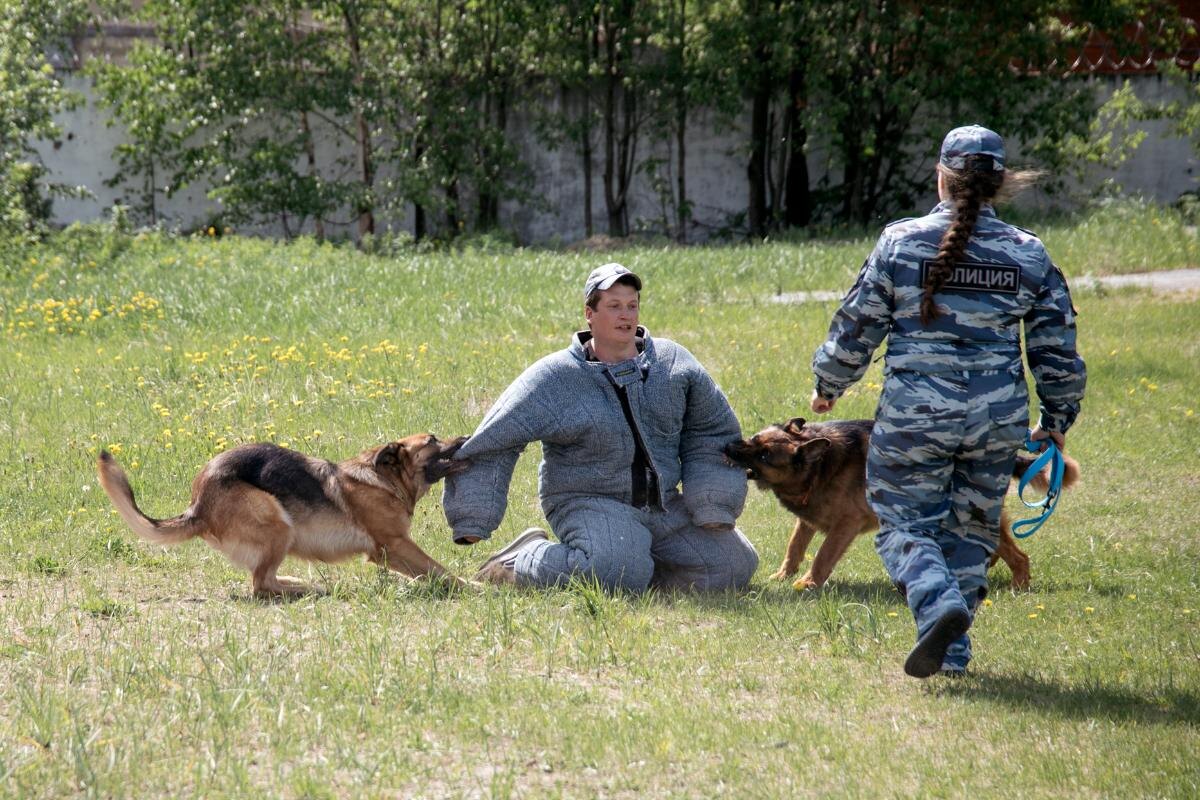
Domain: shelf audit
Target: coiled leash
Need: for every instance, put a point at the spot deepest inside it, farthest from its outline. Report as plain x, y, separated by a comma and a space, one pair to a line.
1052, 456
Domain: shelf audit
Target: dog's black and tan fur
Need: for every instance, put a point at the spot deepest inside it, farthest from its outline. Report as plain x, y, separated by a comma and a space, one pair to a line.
258, 503
818, 472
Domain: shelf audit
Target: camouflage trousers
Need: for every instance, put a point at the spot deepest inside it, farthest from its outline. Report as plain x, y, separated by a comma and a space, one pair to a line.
941, 455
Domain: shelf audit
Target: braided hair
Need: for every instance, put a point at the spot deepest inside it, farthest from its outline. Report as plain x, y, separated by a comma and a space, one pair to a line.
970, 187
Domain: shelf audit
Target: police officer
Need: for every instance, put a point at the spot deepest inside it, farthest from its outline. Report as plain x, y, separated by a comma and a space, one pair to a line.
950, 290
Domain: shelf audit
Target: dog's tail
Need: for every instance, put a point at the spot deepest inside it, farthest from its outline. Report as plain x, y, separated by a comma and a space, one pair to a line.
1041, 481
160, 531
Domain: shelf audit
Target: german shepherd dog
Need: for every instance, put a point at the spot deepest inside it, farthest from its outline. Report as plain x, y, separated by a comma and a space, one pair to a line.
258, 503
819, 473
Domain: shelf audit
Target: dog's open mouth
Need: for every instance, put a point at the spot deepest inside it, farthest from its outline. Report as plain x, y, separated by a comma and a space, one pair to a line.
444, 463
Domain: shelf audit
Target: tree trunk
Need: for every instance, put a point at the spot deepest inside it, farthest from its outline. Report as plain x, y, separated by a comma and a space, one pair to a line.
619, 150
797, 202
612, 79
420, 226
756, 170
586, 155
852, 172
683, 209
310, 154
453, 220
366, 167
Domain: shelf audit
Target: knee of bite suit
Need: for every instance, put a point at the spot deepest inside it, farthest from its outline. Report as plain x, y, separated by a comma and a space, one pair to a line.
630, 572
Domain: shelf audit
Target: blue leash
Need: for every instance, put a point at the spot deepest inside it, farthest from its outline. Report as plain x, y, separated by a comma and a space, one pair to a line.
1052, 456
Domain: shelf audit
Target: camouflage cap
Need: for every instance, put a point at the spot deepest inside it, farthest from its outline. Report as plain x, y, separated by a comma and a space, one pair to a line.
605, 276
972, 140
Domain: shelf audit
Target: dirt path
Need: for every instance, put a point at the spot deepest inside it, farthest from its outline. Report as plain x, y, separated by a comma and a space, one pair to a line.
1174, 280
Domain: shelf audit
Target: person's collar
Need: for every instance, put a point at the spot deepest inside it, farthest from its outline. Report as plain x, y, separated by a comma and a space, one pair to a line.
580, 344
947, 207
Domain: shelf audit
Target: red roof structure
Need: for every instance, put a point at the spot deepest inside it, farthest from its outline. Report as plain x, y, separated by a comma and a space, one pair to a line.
1138, 53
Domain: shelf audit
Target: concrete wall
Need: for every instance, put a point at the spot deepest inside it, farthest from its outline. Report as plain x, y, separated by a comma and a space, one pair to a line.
1161, 169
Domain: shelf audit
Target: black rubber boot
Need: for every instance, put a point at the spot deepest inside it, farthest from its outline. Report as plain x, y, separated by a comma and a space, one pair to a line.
926, 658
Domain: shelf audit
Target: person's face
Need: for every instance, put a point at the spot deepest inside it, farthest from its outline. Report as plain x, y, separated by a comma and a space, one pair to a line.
614, 320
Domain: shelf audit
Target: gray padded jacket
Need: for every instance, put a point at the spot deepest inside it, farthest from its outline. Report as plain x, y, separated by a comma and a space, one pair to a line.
571, 406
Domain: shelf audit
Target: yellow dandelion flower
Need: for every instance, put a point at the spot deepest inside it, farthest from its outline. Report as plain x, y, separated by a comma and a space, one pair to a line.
893, 614
987, 602
1040, 607
1088, 610
1033, 616
1131, 597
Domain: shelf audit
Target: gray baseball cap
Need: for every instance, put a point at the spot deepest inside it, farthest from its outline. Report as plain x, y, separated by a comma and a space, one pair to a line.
972, 140
605, 276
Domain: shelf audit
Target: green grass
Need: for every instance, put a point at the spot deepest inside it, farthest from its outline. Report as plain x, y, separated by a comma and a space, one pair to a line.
134, 671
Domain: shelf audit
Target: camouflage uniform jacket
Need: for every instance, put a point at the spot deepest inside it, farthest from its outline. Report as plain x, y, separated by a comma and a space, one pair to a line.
1006, 278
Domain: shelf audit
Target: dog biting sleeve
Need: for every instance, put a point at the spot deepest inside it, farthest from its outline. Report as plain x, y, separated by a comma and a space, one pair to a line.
475, 500
1058, 370
713, 490
860, 324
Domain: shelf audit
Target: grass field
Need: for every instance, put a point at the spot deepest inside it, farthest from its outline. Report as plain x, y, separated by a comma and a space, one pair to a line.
131, 671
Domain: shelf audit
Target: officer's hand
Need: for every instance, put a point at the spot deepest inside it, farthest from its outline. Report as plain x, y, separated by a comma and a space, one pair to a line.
1060, 440
467, 540
822, 405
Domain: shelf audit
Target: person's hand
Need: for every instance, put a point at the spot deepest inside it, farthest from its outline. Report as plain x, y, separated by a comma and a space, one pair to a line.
1059, 439
822, 405
467, 540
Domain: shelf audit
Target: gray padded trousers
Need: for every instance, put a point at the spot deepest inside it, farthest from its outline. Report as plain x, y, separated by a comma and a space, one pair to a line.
627, 548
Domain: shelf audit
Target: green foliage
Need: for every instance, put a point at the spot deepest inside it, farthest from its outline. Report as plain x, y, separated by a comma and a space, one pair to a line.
306, 113
30, 95
895, 77
1116, 130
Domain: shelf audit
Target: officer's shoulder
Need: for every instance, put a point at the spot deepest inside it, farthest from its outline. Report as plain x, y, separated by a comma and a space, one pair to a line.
1025, 231
901, 221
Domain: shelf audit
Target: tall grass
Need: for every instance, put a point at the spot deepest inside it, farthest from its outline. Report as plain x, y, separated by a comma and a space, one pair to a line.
134, 671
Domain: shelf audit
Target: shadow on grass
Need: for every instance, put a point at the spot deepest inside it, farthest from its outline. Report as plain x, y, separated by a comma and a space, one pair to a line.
1171, 705
781, 593
1054, 586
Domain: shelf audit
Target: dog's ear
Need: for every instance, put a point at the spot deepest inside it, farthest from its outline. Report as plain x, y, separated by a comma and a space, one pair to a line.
390, 455
812, 450
794, 425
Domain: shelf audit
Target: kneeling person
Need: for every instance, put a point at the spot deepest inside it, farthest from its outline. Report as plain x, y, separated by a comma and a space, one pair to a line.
623, 419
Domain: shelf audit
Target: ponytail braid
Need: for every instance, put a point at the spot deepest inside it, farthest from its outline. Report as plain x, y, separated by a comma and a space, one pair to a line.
970, 188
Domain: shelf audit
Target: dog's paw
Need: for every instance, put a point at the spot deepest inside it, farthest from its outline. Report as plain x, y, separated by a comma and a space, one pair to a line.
805, 582
782, 574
